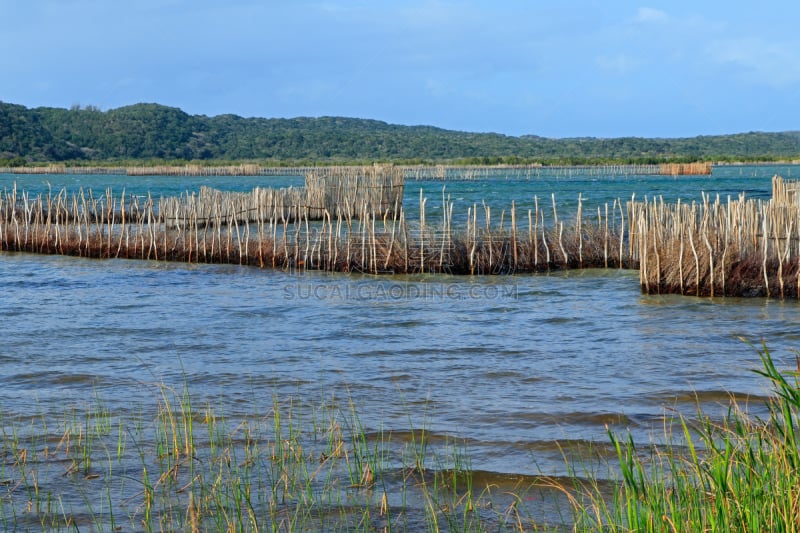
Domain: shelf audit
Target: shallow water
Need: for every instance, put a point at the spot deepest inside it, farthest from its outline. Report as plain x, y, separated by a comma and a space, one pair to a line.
521, 368
513, 364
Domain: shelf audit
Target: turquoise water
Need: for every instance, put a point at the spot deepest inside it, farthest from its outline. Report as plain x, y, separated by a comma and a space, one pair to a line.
518, 366
595, 191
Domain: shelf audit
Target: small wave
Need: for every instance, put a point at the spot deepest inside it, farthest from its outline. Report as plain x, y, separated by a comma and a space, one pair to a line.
556, 320
52, 378
502, 374
709, 396
580, 418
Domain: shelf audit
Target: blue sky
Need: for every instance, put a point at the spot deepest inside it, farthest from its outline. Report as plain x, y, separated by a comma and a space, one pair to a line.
556, 69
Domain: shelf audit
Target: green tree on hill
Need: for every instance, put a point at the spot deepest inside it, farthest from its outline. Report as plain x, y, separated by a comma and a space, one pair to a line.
155, 132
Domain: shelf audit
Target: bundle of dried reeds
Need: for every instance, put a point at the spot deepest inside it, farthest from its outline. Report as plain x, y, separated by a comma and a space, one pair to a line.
337, 190
739, 247
685, 169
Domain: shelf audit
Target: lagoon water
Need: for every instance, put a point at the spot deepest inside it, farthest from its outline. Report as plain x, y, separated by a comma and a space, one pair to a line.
519, 367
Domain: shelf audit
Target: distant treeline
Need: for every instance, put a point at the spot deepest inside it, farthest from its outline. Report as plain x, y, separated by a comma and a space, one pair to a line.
156, 134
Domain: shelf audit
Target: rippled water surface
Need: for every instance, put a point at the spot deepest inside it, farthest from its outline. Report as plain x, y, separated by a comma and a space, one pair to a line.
514, 365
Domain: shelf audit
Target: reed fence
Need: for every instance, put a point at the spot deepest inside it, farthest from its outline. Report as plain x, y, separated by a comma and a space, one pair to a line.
334, 191
413, 172
785, 191
478, 172
714, 247
735, 247
684, 169
195, 170
508, 242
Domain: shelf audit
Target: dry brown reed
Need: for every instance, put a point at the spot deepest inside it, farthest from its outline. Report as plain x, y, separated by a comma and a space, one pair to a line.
414, 172
48, 169
378, 189
345, 191
342, 240
195, 170
684, 169
737, 247
785, 191
478, 172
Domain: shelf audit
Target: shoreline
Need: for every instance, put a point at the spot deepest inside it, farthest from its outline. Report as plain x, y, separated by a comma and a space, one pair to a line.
433, 172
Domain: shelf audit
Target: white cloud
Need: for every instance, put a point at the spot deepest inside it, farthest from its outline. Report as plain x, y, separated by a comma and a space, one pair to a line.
649, 14
768, 63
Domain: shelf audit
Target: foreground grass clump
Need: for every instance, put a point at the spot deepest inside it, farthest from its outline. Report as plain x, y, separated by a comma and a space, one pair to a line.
740, 474
293, 467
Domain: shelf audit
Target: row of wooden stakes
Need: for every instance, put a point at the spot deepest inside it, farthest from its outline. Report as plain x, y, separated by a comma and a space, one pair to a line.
735, 247
731, 247
357, 239
418, 172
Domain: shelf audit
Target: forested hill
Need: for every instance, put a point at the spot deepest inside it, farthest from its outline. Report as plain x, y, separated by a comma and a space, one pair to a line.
154, 132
